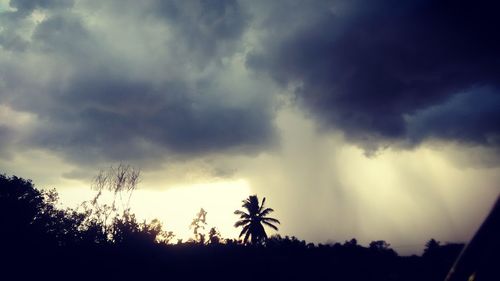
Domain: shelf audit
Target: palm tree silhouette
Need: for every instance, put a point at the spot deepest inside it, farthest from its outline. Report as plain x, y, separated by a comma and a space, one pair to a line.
253, 219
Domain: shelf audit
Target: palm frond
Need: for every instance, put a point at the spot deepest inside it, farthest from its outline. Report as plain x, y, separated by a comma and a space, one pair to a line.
242, 214
241, 222
245, 230
266, 212
273, 220
247, 235
262, 204
252, 205
270, 225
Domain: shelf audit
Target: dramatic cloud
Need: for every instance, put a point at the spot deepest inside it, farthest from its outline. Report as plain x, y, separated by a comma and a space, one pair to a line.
125, 82
208, 28
469, 117
380, 71
25, 7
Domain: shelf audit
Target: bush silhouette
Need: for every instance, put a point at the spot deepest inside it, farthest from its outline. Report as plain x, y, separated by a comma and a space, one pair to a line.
40, 241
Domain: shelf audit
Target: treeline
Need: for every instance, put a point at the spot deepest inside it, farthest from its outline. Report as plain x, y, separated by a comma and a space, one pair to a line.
107, 242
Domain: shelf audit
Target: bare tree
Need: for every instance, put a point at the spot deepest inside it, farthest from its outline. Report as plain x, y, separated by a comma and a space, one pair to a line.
121, 181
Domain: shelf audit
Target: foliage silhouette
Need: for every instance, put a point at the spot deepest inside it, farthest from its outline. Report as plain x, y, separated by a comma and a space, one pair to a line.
121, 181
198, 225
253, 218
40, 241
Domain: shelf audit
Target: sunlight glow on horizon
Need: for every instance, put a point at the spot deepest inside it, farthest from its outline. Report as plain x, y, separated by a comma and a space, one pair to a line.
176, 206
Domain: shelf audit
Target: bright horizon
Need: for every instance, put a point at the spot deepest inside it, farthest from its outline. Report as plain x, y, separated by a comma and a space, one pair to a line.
164, 205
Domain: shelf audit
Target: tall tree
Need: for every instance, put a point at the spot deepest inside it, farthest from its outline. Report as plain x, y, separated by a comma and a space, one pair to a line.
254, 218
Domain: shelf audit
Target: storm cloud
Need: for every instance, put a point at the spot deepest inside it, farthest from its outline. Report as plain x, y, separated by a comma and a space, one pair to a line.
392, 71
120, 84
120, 80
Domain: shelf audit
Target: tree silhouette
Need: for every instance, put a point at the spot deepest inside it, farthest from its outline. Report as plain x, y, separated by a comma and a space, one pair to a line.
199, 223
120, 181
253, 218
214, 236
36, 236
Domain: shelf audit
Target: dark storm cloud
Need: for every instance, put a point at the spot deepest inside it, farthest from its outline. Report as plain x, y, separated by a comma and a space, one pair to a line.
116, 118
12, 41
22, 5
119, 80
27, 6
368, 68
14, 22
6, 136
207, 27
94, 103
471, 117
54, 33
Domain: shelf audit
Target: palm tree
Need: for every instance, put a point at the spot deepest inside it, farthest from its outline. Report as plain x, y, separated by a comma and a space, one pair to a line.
253, 218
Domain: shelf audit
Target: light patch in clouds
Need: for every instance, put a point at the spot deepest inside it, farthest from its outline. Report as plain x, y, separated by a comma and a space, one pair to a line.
44, 167
16, 120
4, 5
15, 127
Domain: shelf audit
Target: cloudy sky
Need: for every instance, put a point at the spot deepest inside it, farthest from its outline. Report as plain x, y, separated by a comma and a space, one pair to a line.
367, 119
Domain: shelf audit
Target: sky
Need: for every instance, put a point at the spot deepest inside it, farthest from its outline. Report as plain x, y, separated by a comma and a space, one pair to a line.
374, 120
